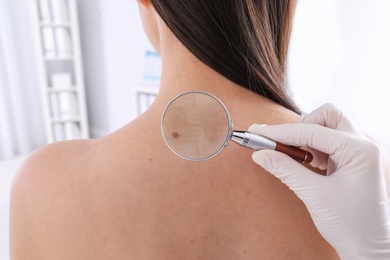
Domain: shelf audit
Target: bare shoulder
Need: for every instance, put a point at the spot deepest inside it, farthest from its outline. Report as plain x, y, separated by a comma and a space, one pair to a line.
51, 162
41, 198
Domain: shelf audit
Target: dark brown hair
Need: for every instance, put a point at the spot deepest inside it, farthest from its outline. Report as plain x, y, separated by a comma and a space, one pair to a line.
244, 40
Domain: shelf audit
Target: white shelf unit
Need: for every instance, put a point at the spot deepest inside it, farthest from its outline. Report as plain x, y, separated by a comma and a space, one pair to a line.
144, 97
60, 72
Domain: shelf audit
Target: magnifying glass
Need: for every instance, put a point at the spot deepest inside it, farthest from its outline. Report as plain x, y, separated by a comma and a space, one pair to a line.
196, 126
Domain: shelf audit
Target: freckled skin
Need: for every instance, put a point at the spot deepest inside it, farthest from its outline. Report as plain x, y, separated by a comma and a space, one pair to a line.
175, 135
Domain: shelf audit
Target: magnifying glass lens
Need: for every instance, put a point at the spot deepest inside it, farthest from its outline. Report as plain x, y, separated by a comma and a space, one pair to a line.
196, 125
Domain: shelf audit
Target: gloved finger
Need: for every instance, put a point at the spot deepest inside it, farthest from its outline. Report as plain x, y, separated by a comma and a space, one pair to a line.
320, 160
326, 115
297, 177
325, 140
330, 116
255, 127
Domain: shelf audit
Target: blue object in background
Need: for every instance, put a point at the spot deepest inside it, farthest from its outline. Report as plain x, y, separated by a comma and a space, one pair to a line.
152, 69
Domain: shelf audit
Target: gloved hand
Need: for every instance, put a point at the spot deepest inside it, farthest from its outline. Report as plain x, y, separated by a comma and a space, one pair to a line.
350, 206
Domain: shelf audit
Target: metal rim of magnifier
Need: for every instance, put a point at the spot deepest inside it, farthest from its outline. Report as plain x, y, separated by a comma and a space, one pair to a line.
228, 134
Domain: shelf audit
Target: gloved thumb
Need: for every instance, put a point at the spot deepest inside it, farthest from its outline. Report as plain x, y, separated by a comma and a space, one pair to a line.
292, 173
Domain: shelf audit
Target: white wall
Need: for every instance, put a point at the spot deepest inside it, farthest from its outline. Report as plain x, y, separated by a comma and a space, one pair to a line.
340, 54
24, 74
92, 48
29, 80
113, 45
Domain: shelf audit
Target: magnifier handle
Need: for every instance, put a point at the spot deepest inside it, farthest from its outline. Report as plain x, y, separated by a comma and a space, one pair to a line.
258, 142
294, 152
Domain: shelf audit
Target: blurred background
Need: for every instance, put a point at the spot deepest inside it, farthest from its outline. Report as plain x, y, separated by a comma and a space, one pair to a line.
84, 68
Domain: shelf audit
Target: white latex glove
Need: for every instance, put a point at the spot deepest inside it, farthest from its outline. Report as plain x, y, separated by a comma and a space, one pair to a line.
350, 207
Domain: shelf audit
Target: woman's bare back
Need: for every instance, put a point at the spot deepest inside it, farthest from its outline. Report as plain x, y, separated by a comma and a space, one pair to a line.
127, 196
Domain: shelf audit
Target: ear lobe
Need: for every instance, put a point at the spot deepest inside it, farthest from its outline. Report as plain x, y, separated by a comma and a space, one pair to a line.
145, 3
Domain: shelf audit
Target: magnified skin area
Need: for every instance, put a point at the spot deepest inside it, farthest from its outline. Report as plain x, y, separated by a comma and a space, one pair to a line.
195, 125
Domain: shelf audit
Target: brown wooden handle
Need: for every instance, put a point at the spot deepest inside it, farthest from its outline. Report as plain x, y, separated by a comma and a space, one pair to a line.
294, 152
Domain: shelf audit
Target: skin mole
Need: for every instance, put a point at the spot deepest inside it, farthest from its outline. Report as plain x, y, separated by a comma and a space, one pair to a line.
175, 135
